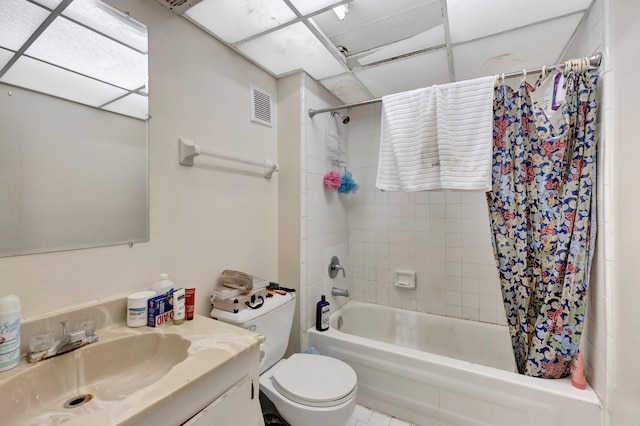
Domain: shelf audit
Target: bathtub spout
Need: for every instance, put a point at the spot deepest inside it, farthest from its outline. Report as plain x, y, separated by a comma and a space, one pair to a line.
335, 291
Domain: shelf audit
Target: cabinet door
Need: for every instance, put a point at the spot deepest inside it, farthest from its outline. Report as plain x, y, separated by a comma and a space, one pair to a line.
233, 408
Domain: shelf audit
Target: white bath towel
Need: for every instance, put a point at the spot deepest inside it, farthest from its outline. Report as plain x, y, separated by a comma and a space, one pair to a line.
465, 133
408, 159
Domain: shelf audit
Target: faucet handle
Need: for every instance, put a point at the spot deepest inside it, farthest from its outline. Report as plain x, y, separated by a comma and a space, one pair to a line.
88, 326
41, 341
334, 267
64, 327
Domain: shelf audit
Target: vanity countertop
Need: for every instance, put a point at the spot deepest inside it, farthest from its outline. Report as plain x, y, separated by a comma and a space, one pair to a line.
35, 393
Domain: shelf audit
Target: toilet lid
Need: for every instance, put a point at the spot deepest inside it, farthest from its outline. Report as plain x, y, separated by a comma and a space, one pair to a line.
315, 380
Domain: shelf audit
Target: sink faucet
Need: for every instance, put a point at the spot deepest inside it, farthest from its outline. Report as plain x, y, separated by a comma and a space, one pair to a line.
41, 347
335, 291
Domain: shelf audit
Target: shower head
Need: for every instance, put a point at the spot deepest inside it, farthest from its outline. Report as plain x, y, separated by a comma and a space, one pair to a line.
345, 118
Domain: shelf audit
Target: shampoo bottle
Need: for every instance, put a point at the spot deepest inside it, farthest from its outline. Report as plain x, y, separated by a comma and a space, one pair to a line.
9, 332
179, 306
322, 315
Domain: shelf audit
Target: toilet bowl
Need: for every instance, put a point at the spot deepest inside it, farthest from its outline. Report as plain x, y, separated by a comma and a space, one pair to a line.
311, 390
306, 389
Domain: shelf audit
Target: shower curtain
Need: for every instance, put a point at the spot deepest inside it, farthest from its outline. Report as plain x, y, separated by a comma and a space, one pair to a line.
542, 211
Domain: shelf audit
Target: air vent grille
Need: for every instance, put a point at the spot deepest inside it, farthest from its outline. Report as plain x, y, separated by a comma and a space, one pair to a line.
178, 6
261, 107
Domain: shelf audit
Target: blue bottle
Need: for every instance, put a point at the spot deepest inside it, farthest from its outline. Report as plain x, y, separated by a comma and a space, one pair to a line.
322, 315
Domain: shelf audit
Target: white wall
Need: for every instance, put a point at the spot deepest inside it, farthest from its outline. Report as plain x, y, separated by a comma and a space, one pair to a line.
589, 39
623, 251
203, 219
290, 135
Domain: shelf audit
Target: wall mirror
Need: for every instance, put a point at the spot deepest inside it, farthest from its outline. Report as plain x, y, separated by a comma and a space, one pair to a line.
73, 126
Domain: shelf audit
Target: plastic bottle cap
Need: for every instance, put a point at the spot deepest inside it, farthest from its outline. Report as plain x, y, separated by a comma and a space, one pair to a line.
322, 298
10, 303
164, 276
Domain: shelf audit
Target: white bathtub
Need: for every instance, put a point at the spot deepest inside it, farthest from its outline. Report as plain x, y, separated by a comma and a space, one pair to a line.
434, 370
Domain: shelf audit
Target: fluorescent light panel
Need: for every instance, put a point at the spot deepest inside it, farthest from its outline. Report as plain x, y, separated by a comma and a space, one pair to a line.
291, 48
76, 48
111, 22
307, 7
133, 105
51, 4
18, 20
40, 77
235, 20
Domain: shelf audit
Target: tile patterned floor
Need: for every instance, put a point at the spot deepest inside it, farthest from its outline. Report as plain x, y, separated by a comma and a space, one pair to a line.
364, 416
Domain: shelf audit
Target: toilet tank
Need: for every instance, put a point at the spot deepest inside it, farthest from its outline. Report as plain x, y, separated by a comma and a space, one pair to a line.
273, 320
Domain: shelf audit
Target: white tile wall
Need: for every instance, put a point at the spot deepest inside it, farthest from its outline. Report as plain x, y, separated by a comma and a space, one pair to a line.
587, 41
443, 236
324, 230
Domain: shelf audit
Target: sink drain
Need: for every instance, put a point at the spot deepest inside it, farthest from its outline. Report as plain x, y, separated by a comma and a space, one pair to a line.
77, 401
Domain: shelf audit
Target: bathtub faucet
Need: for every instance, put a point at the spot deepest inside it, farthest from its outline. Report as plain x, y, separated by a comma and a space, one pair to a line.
334, 267
335, 291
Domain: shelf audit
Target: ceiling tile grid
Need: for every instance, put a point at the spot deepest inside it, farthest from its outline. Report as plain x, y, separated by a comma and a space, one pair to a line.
383, 47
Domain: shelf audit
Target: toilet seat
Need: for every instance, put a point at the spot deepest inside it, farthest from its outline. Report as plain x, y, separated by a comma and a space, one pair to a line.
315, 380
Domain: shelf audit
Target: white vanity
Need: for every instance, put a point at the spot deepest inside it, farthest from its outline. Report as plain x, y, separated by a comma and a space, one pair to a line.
202, 372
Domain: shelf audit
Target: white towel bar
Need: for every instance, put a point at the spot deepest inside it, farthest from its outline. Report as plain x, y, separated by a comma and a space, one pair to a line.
188, 151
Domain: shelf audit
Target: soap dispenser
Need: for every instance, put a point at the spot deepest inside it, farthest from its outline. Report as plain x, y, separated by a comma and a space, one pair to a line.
322, 315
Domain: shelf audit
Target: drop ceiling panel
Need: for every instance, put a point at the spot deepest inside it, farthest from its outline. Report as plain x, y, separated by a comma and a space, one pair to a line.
346, 87
18, 20
361, 31
306, 7
103, 18
51, 4
76, 48
5, 56
132, 105
406, 74
365, 12
471, 19
40, 77
425, 40
235, 20
292, 48
529, 47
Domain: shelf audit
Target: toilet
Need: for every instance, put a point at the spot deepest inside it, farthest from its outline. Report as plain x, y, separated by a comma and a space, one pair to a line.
306, 389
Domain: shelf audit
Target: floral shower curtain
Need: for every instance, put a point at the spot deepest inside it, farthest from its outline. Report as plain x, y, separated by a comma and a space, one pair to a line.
542, 210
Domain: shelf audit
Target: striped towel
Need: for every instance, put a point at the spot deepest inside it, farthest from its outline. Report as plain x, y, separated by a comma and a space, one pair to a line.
465, 133
408, 159
439, 137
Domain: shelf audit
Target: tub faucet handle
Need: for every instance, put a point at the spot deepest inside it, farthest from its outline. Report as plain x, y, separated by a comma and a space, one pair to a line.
334, 267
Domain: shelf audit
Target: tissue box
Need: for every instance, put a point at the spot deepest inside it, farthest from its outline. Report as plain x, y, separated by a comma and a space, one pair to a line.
160, 309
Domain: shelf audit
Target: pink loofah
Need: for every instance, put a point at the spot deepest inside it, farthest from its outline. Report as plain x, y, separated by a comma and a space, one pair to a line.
332, 180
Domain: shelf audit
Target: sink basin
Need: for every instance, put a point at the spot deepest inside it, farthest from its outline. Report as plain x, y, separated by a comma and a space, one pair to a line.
88, 379
142, 376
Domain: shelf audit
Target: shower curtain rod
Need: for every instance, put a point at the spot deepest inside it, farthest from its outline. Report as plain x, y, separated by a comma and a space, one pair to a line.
594, 61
